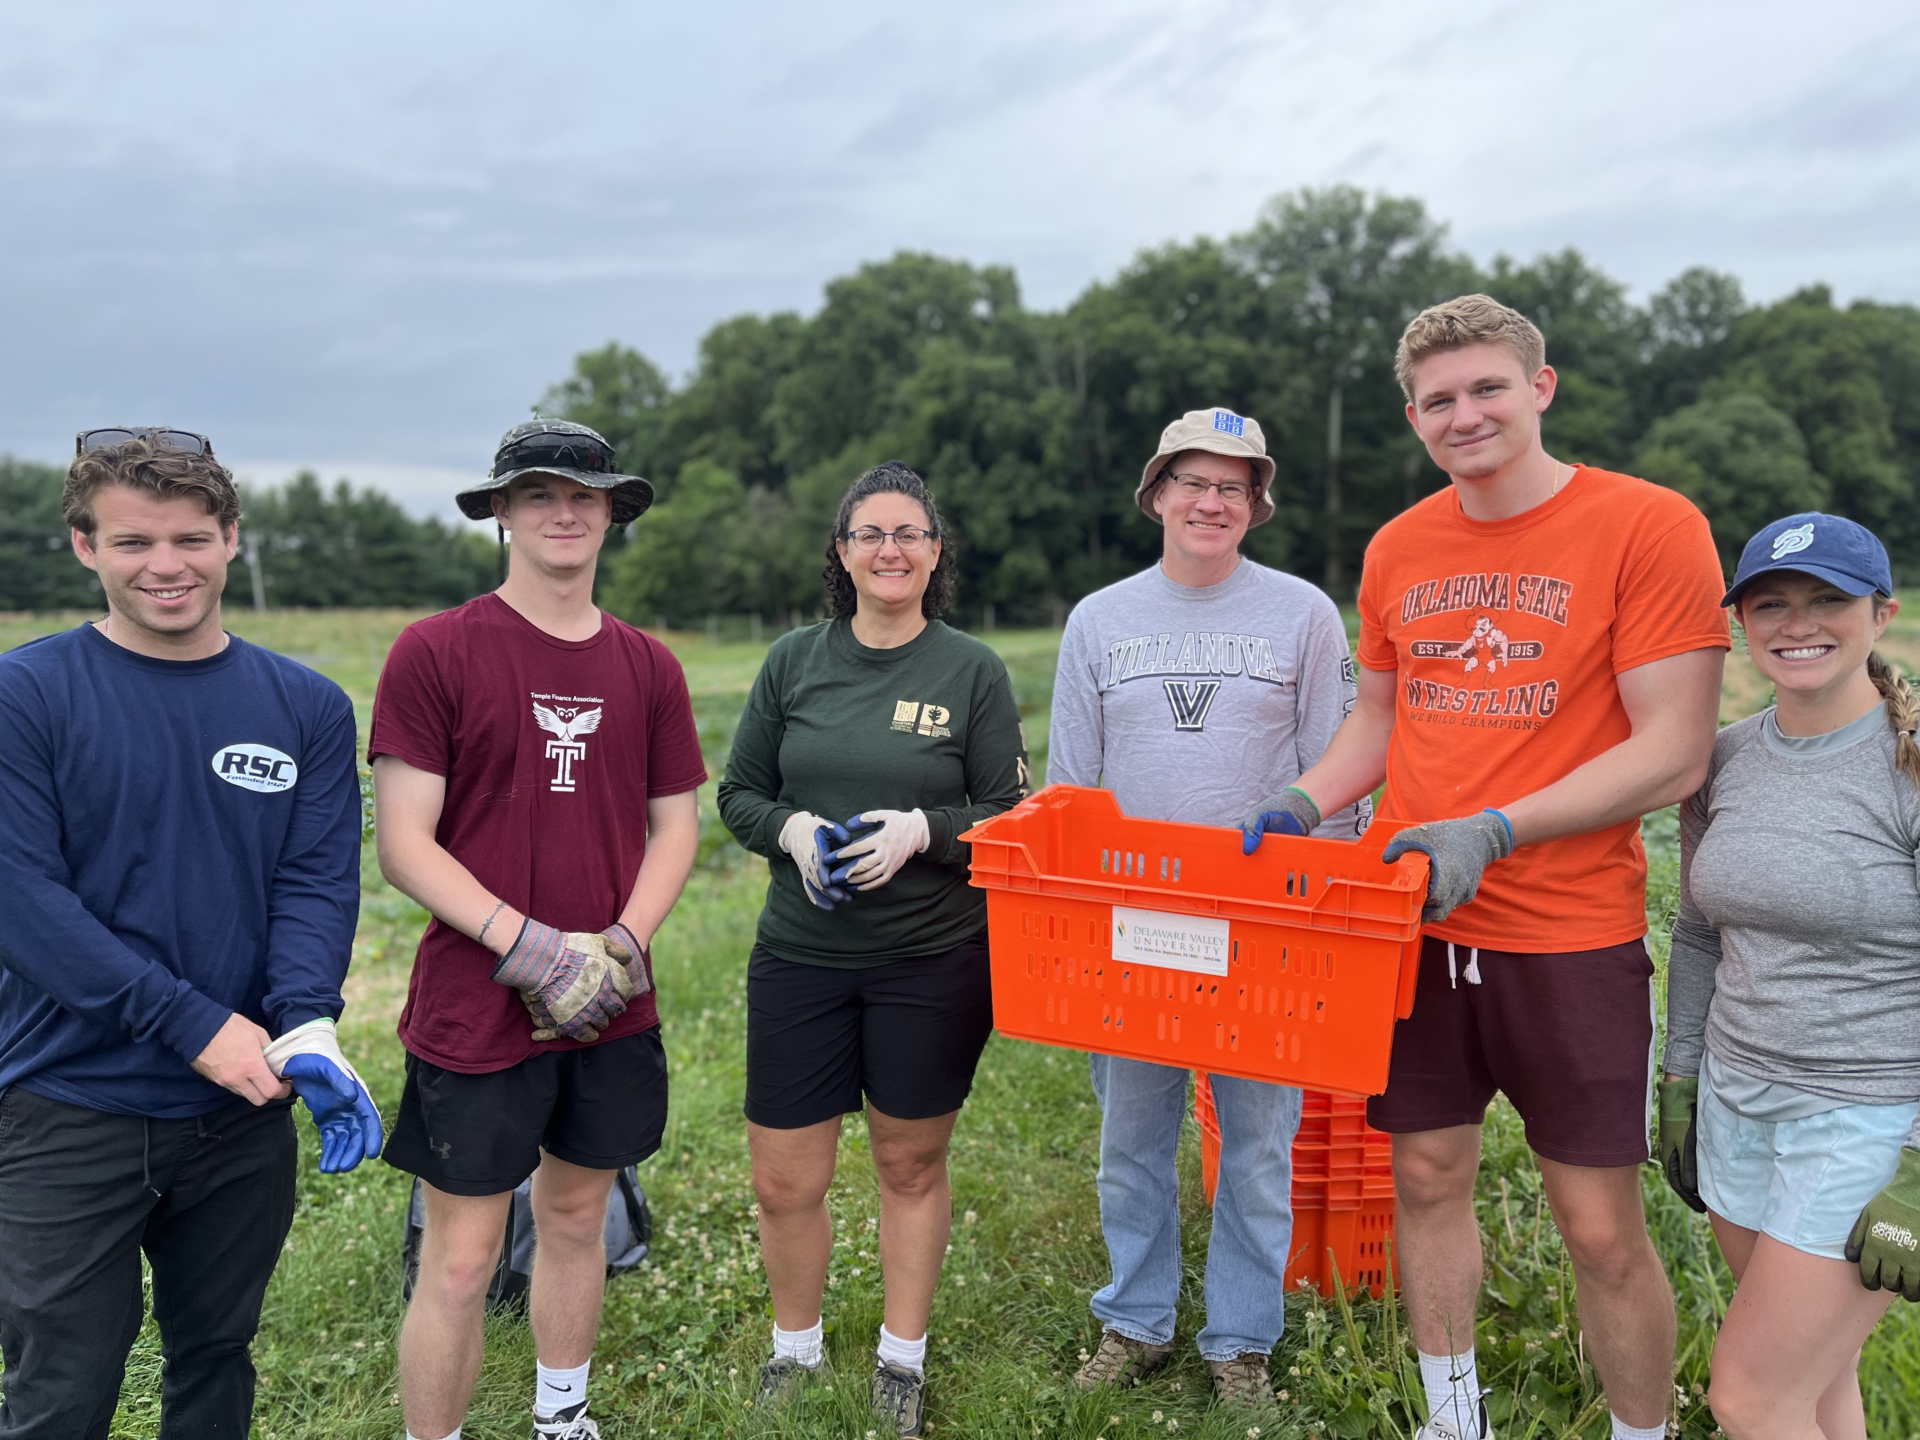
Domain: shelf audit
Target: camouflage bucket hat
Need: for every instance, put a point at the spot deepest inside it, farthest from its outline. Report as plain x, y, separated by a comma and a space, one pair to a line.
557, 447
1223, 433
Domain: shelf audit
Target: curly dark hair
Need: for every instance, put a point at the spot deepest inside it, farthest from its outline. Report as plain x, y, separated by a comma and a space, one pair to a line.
889, 477
141, 465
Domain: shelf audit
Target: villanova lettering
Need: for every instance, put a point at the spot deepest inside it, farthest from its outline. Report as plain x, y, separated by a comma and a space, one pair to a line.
1206, 652
1541, 595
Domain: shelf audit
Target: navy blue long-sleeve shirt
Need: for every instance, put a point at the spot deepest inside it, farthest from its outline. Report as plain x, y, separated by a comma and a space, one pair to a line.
179, 841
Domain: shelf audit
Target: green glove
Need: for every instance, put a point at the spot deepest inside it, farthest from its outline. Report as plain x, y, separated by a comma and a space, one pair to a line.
1885, 1242
1678, 1145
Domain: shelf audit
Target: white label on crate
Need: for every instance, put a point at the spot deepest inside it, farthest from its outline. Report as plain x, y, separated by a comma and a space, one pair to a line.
1180, 942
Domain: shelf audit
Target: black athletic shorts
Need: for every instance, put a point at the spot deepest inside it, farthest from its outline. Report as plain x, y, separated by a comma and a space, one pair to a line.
907, 1033
600, 1108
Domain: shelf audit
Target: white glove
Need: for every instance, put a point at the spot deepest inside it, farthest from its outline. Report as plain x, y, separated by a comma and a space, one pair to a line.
879, 854
808, 839
309, 1056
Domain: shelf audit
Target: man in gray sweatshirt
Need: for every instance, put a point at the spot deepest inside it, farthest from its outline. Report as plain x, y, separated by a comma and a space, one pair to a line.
1192, 690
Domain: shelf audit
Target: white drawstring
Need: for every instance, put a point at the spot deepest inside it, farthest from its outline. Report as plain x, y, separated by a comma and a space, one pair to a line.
1472, 971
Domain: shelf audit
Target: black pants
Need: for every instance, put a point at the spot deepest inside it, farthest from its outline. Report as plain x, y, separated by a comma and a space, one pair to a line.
82, 1193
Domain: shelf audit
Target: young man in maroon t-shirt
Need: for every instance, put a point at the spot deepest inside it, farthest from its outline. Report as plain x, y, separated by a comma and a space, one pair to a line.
534, 766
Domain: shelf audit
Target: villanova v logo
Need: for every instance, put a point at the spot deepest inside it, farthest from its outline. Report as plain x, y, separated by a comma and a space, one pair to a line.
1191, 702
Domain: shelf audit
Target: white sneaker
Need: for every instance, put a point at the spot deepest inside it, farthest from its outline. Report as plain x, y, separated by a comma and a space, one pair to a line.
1444, 1429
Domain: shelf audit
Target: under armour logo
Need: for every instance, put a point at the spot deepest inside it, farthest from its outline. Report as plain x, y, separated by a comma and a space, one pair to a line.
1191, 702
444, 1149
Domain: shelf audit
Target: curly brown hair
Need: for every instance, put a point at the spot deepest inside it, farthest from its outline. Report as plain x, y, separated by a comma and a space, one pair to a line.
141, 465
890, 477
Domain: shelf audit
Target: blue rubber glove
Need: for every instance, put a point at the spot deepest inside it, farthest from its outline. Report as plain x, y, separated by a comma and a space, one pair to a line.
349, 1122
811, 841
1291, 812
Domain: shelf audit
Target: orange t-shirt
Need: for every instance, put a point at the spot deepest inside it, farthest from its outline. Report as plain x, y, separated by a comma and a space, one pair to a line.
1507, 636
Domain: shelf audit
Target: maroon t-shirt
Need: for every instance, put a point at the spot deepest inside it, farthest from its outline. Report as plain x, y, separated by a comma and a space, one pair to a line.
551, 749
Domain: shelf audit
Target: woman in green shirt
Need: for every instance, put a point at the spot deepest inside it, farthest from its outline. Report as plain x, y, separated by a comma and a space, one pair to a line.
869, 976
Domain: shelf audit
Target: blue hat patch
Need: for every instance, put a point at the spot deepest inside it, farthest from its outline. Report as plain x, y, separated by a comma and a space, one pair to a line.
1228, 421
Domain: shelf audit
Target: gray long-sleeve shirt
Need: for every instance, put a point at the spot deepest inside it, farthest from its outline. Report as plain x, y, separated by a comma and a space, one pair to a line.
1796, 952
1195, 703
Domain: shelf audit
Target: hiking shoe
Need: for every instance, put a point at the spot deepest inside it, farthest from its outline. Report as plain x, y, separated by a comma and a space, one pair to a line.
1438, 1429
1121, 1361
1242, 1381
899, 1397
783, 1378
569, 1424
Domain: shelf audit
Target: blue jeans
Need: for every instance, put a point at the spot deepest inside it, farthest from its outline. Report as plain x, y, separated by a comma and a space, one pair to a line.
1142, 1106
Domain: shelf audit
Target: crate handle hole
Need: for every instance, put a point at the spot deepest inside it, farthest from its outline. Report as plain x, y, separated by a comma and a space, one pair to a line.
1103, 862
1176, 869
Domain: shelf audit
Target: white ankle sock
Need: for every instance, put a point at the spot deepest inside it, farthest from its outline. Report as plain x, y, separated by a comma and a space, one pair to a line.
1624, 1431
907, 1354
454, 1436
809, 1347
557, 1390
1453, 1391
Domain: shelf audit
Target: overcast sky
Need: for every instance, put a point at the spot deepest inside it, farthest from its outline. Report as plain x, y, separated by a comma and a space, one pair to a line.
366, 236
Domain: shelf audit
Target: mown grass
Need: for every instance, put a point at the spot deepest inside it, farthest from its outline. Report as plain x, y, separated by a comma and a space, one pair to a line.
684, 1334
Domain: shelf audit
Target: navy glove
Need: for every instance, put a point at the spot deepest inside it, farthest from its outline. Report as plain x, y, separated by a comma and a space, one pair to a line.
309, 1056
811, 841
1291, 812
1460, 851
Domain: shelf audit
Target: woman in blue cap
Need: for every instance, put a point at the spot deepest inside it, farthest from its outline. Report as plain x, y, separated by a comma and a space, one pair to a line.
1790, 1107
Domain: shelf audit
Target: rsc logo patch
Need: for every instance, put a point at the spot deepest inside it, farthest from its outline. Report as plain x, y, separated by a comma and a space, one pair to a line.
259, 768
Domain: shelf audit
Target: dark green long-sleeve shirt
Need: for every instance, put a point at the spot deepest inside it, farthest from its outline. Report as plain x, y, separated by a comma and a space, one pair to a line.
835, 728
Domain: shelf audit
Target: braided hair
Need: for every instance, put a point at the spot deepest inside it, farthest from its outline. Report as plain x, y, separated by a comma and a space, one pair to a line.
1903, 713
890, 477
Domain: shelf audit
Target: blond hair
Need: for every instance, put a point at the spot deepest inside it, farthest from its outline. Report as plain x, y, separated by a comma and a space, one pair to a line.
1462, 321
1903, 714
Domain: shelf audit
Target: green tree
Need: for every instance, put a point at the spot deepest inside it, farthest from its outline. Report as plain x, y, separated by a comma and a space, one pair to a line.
1740, 460
624, 396
37, 568
714, 546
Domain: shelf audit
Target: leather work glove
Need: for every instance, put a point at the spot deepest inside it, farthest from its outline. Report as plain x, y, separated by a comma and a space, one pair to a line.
1291, 812
349, 1122
574, 983
1460, 851
890, 839
1885, 1242
619, 937
1678, 1151
810, 841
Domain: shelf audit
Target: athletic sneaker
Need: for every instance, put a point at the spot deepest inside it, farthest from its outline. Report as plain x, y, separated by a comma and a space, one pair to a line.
783, 1378
899, 1397
1438, 1429
569, 1424
1121, 1361
1242, 1381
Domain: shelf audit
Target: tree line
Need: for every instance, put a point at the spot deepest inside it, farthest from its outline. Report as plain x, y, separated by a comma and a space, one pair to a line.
1031, 426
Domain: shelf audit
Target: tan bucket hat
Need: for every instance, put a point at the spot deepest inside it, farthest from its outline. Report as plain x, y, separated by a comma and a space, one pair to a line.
1224, 433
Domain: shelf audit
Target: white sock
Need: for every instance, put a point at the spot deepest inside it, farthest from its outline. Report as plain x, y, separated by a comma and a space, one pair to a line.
1453, 1391
454, 1436
556, 1390
907, 1354
809, 1346
1624, 1431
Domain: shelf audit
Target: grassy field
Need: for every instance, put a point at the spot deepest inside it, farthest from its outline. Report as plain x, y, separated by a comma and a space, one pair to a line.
684, 1334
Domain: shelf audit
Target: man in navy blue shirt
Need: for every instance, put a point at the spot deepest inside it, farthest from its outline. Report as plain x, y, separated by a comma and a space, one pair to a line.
179, 852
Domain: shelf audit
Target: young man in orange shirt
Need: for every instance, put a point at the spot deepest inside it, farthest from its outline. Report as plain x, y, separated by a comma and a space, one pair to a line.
1540, 752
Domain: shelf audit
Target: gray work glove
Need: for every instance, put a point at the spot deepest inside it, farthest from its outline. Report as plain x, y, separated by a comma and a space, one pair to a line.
1291, 812
1460, 851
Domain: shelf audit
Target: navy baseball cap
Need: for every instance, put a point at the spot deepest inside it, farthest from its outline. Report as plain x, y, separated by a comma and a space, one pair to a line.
1840, 552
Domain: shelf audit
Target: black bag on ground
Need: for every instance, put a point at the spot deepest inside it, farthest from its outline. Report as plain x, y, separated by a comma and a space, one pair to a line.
629, 1235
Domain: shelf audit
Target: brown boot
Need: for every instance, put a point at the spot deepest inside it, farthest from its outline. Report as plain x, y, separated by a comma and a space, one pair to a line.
1121, 1361
1242, 1381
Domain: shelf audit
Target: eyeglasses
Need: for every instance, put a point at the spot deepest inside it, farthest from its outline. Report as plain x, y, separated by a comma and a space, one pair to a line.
160, 437
871, 537
1234, 492
559, 452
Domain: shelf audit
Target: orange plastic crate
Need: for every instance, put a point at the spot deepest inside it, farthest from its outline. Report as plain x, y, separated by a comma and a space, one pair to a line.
1342, 1193
1288, 965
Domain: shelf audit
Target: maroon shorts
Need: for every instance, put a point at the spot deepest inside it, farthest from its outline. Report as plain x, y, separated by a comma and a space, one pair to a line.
1568, 1038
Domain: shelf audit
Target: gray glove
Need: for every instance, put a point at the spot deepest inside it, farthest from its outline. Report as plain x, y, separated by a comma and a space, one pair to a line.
1460, 851
1291, 812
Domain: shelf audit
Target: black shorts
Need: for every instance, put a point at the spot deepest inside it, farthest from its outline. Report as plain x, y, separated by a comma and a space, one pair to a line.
601, 1108
1567, 1037
907, 1033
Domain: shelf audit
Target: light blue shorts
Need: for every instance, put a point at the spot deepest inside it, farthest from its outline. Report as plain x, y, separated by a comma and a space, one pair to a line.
1804, 1182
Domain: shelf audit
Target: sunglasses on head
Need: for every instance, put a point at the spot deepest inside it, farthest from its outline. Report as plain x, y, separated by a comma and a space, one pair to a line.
159, 436
559, 452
